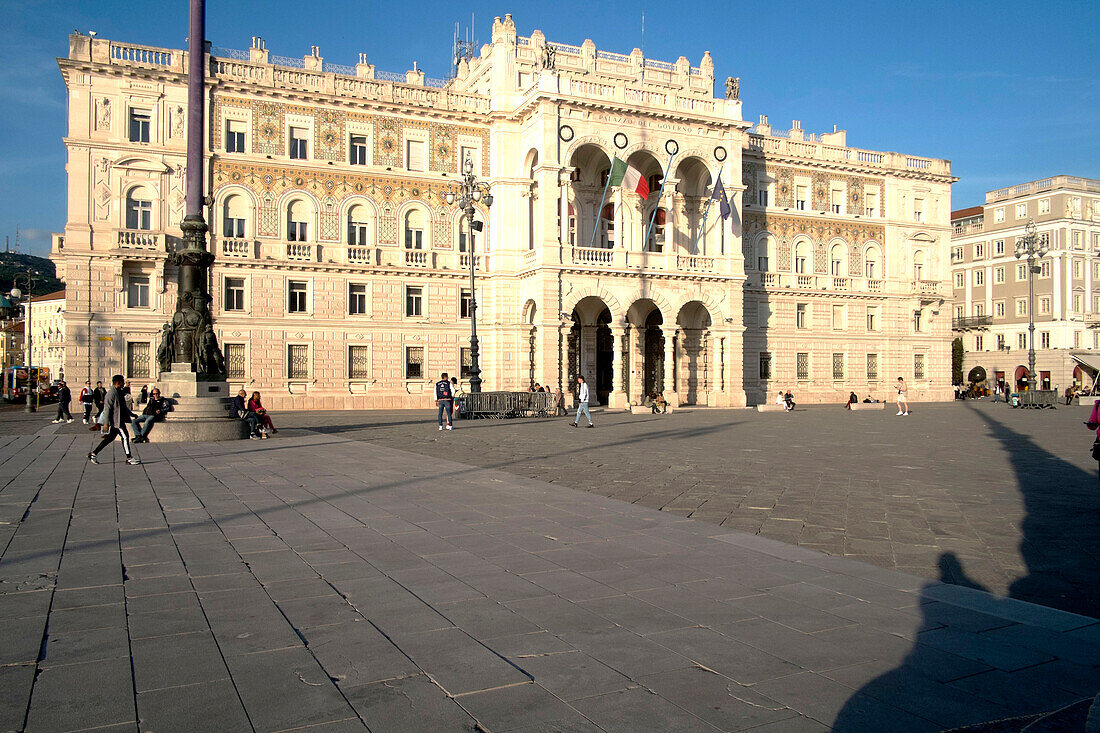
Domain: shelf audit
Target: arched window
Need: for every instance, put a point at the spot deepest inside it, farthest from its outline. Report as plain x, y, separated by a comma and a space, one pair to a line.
607, 226
297, 221
837, 260
656, 241
871, 266
358, 226
139, 209
918, 265
654, 182
464, 232
234, 213
415, 222
765, 249
802, 257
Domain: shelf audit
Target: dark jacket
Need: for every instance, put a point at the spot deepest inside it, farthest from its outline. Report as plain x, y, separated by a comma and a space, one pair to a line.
64, 395
158, 408
238, 406
443, 390
99, 395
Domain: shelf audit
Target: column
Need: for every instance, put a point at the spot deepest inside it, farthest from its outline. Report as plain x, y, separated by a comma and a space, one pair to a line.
617, 399
713, 368
670, 366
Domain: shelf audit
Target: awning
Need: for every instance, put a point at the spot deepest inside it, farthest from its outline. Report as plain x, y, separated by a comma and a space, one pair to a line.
1088, 361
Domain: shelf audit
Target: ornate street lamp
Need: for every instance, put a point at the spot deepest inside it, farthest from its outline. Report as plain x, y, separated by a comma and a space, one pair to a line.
1031, 247
16, 294
465, 194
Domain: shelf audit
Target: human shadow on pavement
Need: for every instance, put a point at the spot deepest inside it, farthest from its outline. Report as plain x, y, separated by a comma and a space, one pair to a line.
1060, 545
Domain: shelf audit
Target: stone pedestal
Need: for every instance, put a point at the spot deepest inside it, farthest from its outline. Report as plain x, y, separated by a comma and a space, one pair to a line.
200, 409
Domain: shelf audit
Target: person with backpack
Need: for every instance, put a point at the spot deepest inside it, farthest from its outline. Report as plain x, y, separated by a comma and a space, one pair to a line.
444, 397
116, 416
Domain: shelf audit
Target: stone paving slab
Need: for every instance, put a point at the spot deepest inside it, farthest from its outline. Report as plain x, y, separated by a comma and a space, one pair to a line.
325, 582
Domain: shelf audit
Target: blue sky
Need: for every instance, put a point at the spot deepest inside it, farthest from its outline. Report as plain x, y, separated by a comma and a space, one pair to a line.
1006, 90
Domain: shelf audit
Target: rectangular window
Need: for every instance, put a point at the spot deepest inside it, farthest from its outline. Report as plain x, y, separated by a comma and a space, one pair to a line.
802, 197
960, 279
801, 313
1078, 269
297, 297
1021, 211
918, 366
137, 360
1076, 339
414, 155
1044, 206
978, 343
1021, 306
139, 214
414, 301
918, 324
1021, 272
918, 210
232, 227
872, 367
802, 366
137, 291
299, 143
234, 360
999, 309
838, 318
414, 362
956, 254
838, 365
1021, 341
466, 356
979, 277
358, 150
762, 195
465, 300
1044, 269
140, 120
872, 318
979, 251
871, 204
998, 275
359, 362
297, 231
297, 361
1044, 306
998, 215
1044, 339
765, 365
1000, 341
1078, 302
836, 200
234, 136
959, 311
999, 247
357, 299
979, 309
234, 293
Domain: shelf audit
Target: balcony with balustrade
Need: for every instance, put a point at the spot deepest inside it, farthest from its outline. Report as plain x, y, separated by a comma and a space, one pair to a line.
971, 323
142, 240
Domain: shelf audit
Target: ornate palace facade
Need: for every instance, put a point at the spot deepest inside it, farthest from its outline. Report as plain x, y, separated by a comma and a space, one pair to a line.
342, 277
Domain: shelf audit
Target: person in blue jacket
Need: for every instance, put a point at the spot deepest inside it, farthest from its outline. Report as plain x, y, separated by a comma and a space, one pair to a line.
444, 397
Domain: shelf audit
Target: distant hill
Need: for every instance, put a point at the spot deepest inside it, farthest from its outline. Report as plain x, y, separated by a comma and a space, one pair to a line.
41, 268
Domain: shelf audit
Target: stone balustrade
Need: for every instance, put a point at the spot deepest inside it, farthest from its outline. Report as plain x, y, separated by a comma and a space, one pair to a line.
772, 144
142, 239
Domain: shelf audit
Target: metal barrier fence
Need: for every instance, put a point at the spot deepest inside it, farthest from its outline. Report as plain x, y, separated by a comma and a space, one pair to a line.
508, 404
1038, 398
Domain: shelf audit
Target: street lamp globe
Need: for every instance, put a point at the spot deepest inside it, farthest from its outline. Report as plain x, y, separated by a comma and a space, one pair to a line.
16, 293
488, 199
449, 198
476, 194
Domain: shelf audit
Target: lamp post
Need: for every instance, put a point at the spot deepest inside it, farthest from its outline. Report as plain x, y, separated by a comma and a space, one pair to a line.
16, 294
465, 194
1031, 247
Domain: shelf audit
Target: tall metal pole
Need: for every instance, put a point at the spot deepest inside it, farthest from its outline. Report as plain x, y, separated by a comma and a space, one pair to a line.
475, 370
32, 383
1030, 322
196, 42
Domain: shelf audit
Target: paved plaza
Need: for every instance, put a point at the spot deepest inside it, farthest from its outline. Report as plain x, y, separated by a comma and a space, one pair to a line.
366, 571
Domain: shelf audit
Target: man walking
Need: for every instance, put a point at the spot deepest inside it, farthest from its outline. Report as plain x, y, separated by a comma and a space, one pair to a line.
903, 396
117, 416
582, 402
444, 397
64, 397
155, 409
86, 399
98, 396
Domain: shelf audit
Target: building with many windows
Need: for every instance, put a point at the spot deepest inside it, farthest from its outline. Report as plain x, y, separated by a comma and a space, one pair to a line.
991, 285
48, 333
342, 277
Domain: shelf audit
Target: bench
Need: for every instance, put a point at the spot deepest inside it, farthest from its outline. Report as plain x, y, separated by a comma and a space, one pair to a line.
770, 407
868, 405
646, 410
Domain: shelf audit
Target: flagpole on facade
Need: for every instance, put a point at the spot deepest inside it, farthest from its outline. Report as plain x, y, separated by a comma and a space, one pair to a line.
660, 192
603, 199
703, 224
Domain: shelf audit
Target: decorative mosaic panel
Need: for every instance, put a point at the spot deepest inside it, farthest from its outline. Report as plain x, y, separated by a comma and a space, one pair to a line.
267, 217
387, 142
387, 225
330, 135
267, 128
855, 261
783, 254
442, 143
442, 235
822, 230
819, 190
329, 220
821, 260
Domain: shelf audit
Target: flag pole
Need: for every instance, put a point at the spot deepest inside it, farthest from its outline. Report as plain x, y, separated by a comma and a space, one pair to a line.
703, 224
603, 199
653, 216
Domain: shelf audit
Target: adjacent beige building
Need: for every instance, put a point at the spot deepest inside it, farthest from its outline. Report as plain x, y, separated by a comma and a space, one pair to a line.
342, 277
991, 285
48, 333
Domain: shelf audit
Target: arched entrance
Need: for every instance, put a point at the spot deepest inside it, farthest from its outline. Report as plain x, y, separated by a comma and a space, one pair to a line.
653, 376
591, 350
696, 372
1021, 378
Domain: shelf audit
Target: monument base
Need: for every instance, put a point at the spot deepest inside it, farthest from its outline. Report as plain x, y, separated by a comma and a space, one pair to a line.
200, 409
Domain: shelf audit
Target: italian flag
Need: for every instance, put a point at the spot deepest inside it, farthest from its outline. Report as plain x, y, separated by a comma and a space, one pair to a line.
628, 177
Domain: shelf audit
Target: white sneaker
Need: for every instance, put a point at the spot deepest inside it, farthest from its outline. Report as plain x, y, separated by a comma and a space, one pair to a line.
133, 461
69, 420
85, 422
905, 413
450, 427
440, 427
900, 412
55, 422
